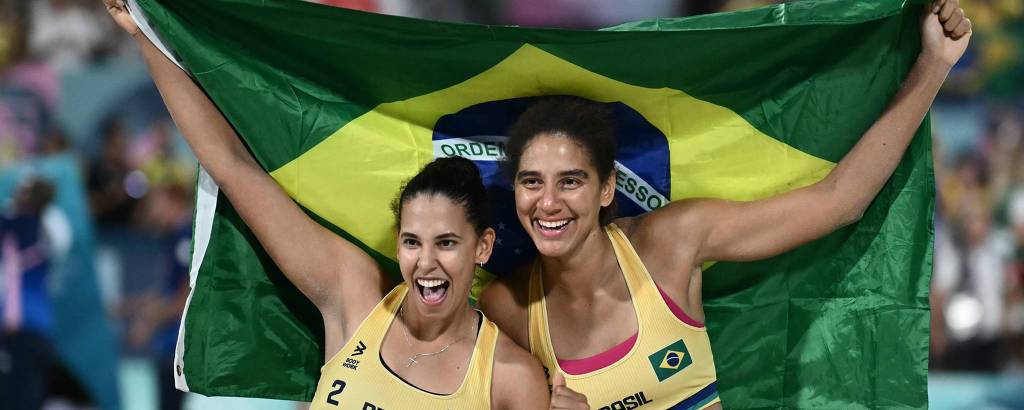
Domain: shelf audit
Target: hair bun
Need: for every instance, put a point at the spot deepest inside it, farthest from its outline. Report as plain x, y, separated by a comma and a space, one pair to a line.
456, 165
456, 178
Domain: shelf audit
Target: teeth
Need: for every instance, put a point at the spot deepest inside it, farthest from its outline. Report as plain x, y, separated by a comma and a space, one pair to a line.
429, 283
554, 224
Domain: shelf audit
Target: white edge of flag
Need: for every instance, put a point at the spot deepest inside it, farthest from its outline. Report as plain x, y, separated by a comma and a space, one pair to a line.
206, 205
147, 29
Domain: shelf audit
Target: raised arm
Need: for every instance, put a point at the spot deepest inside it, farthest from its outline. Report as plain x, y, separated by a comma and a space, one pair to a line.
716, 230
314, 259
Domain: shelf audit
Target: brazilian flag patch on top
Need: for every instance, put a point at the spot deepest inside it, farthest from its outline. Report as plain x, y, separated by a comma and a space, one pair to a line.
670, 360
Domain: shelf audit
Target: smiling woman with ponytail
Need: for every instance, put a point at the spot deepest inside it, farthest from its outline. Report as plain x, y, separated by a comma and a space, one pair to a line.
415, 344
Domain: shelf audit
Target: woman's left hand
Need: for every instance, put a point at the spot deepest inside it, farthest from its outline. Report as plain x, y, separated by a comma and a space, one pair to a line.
945, 32
565, 398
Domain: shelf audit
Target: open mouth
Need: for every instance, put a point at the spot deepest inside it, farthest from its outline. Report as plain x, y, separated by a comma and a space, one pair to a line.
432, 291
551, 228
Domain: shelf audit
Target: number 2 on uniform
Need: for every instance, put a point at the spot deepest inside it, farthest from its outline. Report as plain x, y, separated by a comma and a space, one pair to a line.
340, 387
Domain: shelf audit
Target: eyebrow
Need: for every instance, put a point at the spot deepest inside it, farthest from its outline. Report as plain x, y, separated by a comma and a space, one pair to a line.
579, 173
523, 174
446, 235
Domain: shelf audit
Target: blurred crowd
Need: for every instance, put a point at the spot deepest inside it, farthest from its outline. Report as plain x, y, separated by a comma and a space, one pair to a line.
58, 62
73, 89
978, 279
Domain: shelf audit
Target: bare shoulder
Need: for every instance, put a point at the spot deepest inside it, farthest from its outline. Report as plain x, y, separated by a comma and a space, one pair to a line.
519, 380
512, 360
359, 286
505, 301
360, 297
678, 221
667, 239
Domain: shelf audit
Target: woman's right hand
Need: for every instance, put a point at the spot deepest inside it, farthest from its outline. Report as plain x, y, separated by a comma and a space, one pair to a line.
119, 13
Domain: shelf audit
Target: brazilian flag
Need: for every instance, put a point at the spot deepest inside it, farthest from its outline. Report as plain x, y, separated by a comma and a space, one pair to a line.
341, 107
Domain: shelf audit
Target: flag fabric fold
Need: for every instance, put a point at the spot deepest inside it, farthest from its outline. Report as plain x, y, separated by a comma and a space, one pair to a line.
341, 107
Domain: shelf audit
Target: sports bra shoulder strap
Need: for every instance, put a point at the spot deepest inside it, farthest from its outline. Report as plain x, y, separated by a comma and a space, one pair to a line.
641, 285
380, 318
537, 319
482, 368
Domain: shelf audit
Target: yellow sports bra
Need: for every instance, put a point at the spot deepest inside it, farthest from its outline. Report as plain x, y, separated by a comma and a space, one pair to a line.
356, 377
670, 365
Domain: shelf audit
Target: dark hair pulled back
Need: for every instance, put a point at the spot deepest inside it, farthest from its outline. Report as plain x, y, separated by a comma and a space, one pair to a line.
455, 178
587, 123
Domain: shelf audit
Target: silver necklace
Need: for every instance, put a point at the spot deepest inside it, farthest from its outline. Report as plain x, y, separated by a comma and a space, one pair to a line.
411, 360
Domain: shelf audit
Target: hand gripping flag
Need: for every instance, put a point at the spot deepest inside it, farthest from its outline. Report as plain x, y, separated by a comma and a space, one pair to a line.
341, 107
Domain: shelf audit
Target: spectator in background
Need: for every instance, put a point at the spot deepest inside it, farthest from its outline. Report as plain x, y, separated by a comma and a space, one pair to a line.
467, 11
108, 200
27, 314
475, 11
364, 5
945, 275
28, 91
54, 142
161, 164
976, 309
155, 326
550, 13
987, 263
604, 13
64, 33
733, 5
1015, 283
967, 182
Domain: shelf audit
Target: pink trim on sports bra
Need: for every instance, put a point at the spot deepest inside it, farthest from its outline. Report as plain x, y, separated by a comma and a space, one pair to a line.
607, 357
598, 361
678, 311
